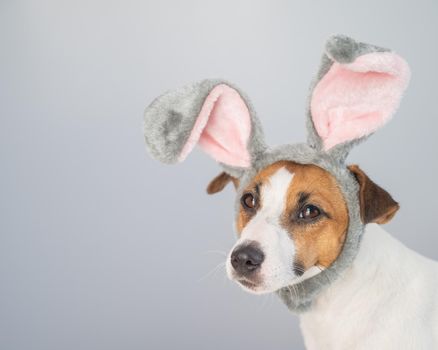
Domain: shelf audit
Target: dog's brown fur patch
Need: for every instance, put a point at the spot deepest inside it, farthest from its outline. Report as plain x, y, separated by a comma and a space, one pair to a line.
319, 242
376, 205
219, 182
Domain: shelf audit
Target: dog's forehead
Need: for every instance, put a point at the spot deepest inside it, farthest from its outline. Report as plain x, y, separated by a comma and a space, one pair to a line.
281, 173
274, 188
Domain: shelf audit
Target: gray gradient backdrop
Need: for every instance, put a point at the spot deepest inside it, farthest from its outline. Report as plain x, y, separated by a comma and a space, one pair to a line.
102, 247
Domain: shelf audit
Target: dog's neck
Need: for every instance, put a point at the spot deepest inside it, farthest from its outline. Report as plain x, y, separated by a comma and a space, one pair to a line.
351, 308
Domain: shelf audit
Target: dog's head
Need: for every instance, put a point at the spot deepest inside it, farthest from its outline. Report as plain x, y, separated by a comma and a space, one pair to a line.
292, 222
300, 208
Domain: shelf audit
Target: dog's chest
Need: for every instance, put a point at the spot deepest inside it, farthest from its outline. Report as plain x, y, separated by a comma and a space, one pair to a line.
386, 300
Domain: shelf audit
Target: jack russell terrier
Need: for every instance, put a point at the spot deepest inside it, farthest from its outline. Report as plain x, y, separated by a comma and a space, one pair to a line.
308, 224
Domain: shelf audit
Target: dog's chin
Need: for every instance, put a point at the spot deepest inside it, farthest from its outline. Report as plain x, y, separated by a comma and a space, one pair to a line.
259, 287
263, 286
259, 284
253, 288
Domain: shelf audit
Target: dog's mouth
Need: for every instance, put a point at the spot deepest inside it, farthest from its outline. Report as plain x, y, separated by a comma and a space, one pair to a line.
247, 284
257, 284
258, 287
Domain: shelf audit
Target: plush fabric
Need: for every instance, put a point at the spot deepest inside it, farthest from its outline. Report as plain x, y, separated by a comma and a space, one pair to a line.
356, 90
352, 100
169, 124
222, 128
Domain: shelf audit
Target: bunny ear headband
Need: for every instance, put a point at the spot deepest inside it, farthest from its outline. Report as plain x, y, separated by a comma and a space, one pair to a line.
356, 91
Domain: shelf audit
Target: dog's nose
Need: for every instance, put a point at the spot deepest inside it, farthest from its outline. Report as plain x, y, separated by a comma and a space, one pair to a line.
246, 259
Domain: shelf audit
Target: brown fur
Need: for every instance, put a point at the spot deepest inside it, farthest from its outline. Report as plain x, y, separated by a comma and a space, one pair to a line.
376, 205
220, 181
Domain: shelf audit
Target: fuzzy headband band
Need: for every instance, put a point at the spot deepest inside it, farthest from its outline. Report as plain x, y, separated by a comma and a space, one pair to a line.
356, 91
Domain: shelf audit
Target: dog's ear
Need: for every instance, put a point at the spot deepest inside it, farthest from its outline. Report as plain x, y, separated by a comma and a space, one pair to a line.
357, 90
219, 182
212, 114
376, 205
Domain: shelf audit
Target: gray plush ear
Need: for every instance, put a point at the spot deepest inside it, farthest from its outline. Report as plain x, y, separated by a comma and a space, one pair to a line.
357, 90
211, 113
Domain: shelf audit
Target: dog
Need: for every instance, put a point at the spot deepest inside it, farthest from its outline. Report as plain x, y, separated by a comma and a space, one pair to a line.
291, 224
308, 224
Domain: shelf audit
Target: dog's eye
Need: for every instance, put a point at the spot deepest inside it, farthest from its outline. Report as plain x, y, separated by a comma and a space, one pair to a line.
248, 201
309, 212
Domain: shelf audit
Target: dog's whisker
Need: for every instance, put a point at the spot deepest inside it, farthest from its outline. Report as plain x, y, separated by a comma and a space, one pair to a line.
294, 293
215, 269
221, 252
296, 290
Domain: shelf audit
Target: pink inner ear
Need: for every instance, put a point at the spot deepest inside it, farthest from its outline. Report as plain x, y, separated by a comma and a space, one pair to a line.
222, 128
354, 100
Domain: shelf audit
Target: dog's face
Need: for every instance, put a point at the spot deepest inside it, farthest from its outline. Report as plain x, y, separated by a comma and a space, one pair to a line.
292, 223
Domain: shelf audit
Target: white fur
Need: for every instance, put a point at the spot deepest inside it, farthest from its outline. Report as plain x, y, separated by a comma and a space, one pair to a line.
387, 300
264, 228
